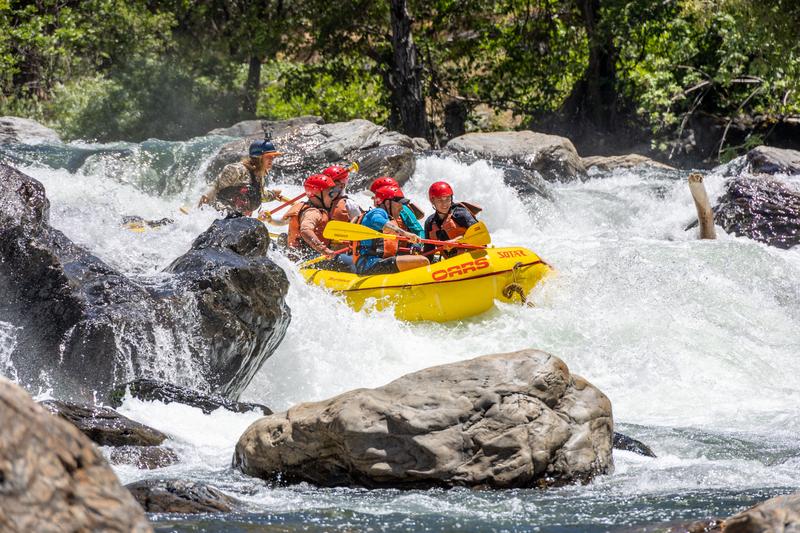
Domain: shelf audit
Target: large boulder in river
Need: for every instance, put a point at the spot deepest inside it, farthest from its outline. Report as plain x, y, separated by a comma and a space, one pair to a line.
310, 148
555, 158
105, 426
771, 160
607, 163
16, 130
52, 478
255, 128
211, 325
180, 496
763, 208
502, 421
779, 514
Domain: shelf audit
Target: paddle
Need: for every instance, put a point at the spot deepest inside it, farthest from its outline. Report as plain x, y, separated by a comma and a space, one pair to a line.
346, 231
476, 234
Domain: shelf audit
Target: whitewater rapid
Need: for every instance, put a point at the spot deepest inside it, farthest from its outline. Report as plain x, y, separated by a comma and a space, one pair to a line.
696, 343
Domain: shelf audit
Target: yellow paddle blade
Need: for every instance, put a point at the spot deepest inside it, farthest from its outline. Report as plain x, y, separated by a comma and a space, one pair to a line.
346, 231
477, 234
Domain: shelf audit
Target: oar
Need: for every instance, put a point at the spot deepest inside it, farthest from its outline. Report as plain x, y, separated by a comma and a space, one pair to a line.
320, 258
476, 234
346, 231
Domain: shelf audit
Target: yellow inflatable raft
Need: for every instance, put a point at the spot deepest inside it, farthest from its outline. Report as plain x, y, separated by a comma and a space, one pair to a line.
456, 288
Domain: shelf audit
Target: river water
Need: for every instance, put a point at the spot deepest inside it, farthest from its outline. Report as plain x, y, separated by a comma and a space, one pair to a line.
696, 343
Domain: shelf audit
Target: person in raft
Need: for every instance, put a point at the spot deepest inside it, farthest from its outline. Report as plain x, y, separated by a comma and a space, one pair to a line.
239, 189
342, 204
379, 256
409, 215
307, 222
449, 221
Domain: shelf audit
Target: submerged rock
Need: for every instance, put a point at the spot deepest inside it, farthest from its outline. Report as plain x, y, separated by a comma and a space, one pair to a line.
143, 457
162, 391
611, 162
502, 421
628, 444
14, 130
52, 478
310, 148
555, 158
770, 160
778, 514
212, 324
179, 496
105, 426
764, 209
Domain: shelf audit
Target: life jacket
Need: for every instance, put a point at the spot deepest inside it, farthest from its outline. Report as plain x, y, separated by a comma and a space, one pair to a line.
338, 210
449, 226
382, 248
242, 198
295, 215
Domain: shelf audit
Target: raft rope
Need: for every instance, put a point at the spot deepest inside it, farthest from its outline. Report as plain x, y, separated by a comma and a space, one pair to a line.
515, 288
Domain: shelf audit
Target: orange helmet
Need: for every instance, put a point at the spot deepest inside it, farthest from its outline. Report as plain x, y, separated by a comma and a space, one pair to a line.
383, 181
337, 173
316, 183
388, 192
440, 189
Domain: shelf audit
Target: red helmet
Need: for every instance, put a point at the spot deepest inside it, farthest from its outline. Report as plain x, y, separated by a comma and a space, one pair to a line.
316, 183
383, 181
388, 192
440, 189
337, 173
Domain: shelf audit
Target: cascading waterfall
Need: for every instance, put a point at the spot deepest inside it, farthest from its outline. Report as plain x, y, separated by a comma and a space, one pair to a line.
695, 342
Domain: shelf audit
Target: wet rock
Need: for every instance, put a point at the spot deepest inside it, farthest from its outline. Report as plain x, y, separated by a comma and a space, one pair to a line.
770, 160
255, 128
16, 130
179, 496
212, 324
165, 392
143, 457
105, 426
779, 514
764, 209
52, 478
623, 442
310, 148
501, 421
553, 157
608, 163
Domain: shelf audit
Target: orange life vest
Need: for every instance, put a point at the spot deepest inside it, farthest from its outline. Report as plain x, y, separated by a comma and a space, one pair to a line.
339, 211
449, 225
295, 216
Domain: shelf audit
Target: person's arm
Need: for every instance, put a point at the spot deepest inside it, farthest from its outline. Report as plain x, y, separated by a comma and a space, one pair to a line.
397, 230
353, 209
463, 217
311, 219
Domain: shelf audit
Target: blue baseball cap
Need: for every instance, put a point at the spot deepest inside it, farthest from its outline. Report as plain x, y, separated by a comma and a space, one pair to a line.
264, 146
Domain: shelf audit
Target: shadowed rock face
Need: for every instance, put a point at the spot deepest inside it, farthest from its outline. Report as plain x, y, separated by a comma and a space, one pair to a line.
503, 421
770, 160
223, 311
779, 514
764, 209
310, 148
52, 478
179, 496
555, 158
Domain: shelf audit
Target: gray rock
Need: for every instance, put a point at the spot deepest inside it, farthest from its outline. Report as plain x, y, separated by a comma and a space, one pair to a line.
764, 209
623, 442
611, 162
223, 312
16, 130
162, 391
780, 515
52, 478
255, 128
310, 148
143, 457
179, 496
105, 426
770, 160
526, 182
502, 421
555, 158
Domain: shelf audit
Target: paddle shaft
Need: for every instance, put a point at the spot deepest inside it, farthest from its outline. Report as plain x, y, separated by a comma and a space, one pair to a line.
322, 258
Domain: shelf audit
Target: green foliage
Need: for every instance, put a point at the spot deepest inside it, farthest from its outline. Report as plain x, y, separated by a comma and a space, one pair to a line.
337, 91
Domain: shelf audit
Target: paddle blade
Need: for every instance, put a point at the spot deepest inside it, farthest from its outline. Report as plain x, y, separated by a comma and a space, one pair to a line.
477, 234
336, 230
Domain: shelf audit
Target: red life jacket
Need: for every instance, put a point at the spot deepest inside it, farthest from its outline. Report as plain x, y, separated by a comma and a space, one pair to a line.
242, 198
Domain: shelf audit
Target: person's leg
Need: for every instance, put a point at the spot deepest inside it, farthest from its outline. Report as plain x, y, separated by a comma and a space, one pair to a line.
410, 262
382, 266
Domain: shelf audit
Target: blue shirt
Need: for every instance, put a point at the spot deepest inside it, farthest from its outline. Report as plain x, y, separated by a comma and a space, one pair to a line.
374, 219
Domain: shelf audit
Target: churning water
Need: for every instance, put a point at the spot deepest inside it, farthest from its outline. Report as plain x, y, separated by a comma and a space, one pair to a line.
696, 343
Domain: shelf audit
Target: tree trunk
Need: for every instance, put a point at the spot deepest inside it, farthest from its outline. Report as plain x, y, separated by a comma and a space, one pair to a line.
408, 104
252, 85
593, 101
